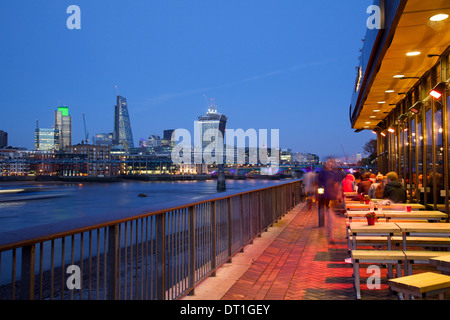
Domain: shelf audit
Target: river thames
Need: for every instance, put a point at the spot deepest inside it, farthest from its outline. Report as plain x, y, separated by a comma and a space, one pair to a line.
84, 200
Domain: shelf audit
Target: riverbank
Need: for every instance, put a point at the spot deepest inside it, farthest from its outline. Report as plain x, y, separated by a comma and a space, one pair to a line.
124, 178
156, 177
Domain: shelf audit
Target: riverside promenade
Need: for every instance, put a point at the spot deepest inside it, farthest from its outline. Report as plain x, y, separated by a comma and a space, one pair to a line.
294, 260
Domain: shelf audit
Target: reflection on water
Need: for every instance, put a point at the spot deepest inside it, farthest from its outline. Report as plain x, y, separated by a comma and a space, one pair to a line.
87, 199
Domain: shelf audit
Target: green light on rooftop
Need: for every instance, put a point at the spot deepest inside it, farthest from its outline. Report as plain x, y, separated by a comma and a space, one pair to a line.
64, 111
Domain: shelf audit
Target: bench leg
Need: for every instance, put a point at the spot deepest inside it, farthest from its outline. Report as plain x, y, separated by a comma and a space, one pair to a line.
357, 279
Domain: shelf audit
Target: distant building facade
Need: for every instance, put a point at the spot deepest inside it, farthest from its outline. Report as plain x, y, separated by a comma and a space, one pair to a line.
102, 139
46, 139
3, 139
97, 158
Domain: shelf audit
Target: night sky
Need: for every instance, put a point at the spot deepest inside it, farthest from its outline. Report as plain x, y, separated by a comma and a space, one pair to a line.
287, 65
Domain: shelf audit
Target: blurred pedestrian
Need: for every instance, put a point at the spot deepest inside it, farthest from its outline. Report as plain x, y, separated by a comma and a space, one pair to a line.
310, 183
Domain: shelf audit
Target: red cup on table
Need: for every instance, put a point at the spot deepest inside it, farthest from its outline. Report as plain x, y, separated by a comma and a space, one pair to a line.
408, 208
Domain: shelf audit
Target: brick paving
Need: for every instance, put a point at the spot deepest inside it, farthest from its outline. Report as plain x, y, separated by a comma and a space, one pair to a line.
306, 262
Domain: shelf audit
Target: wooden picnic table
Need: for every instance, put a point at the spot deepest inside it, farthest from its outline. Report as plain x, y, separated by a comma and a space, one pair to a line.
441, 263
379, 229
392, 206
423, 229
400, 215
418, 214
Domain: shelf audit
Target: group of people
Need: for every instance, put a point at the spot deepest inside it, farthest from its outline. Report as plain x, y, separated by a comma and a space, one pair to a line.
336, 182
376, 187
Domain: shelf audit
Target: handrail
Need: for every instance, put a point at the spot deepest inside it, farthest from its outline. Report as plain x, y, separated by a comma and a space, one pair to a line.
24, 239
162, 253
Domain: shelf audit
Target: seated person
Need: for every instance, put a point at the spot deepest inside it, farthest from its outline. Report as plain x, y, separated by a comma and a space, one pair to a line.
364, 185
394, 189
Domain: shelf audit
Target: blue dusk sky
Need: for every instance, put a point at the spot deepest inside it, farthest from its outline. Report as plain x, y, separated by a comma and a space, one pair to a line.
287, 65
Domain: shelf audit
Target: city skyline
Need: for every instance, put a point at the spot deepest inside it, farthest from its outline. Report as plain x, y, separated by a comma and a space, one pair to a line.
267, 66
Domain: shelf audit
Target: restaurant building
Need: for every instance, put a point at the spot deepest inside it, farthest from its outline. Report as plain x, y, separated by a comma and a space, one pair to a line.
401, 94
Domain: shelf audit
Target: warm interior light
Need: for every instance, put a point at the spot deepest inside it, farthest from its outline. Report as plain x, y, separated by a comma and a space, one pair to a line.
413, 53
381, 102
399, 76
320, 190
416, 107
438, 90
383, 134
376, 110
391, 130
435, 94
389, 91
439, 17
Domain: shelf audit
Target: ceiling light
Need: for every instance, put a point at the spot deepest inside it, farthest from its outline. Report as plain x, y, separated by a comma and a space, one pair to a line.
438, 90
373, 117
376, 110
368, 122
413, 53
391, 130
381, 102
439, 17
399, 76
383, 134
389, 91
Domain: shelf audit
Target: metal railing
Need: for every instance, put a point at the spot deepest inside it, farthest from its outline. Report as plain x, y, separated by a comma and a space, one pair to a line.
159, 255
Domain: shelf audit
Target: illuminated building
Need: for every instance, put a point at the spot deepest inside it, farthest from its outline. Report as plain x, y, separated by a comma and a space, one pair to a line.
63, 123
122, 134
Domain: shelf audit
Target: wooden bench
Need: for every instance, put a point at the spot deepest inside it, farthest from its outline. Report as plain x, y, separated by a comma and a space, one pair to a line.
421, 285
423, 242
420, 257
388, 257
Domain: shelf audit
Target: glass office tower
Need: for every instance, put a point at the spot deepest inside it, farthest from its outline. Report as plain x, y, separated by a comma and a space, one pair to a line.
63, 123
46, 139
122, 134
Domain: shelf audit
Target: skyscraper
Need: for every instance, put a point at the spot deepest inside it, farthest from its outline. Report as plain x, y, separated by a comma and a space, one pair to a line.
217, 122
122, 134
63, 123
212, 120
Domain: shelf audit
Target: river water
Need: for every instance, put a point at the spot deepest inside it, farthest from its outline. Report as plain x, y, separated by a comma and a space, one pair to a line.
83, 200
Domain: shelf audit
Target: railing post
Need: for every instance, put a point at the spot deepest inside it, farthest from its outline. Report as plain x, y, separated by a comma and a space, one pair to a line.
112, 262
213, 238
191, 217
28, 261
160, 222
242, 223
229, 228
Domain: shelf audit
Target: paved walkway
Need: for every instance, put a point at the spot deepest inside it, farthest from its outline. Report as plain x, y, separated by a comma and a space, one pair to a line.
294, 260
